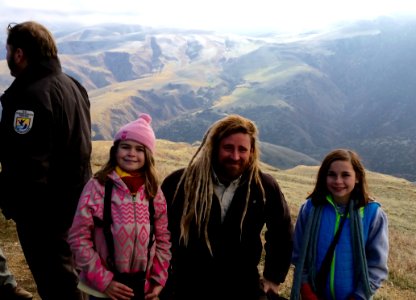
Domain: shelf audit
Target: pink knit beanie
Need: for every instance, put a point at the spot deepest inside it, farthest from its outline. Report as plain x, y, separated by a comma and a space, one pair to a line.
138, 131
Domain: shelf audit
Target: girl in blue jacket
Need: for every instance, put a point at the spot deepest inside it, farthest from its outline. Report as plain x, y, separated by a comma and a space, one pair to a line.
356, 264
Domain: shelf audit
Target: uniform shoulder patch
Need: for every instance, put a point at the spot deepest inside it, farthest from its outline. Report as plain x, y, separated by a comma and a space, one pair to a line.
23, 121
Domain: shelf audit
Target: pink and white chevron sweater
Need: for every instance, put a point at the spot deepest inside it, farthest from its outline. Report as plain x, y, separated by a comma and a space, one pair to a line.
130, 229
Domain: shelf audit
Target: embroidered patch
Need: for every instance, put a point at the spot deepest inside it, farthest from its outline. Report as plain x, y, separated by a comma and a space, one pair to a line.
23, 121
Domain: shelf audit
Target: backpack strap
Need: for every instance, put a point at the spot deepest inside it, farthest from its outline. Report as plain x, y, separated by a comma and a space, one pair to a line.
108, 220
322, 276
152, 222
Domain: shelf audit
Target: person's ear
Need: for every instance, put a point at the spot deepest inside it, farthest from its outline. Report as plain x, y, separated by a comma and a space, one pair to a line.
19, 56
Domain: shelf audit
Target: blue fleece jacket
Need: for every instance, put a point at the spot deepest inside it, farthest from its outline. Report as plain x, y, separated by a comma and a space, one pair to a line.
341, 279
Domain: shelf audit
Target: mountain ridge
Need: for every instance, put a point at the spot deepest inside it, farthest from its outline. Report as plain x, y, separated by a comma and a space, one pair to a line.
350, 87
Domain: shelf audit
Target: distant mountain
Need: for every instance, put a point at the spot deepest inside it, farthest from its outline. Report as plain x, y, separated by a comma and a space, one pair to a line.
284, 158
353, 86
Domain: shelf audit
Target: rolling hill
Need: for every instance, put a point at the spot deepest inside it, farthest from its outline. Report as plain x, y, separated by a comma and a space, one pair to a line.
396, 195
352, 86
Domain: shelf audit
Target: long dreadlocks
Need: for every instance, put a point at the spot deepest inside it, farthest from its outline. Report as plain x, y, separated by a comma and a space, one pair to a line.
197, 179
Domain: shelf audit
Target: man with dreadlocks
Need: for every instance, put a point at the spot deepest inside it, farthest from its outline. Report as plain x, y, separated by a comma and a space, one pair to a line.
217, 208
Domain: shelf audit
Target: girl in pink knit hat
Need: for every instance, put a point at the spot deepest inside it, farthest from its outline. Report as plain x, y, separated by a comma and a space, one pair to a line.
121, 242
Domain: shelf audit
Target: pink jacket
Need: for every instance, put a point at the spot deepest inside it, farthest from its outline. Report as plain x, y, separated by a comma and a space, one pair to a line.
130, 233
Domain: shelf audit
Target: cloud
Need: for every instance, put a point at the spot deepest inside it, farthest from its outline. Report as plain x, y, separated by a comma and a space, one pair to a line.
232, 15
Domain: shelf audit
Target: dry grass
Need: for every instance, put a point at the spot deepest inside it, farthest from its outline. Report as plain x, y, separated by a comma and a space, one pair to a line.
398, 198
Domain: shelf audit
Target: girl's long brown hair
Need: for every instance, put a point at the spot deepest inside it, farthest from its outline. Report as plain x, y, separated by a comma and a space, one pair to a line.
148, 169
360, 191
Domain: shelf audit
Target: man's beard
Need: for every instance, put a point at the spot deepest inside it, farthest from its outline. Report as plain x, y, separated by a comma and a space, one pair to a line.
231, 170
12, 65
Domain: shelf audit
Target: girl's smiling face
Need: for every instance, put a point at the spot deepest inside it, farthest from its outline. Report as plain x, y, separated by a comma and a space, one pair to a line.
130, 156
341, 180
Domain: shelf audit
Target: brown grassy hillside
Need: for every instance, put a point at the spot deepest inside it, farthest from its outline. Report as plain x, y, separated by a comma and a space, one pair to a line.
397, 196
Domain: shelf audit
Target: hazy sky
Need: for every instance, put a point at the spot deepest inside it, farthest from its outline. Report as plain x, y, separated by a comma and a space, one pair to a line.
230, 15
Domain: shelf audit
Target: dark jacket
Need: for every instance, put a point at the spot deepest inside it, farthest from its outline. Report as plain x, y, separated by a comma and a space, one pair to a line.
232, 271
45, 133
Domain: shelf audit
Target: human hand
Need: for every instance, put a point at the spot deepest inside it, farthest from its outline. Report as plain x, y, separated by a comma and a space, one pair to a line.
154, 294
270, 288
118, 291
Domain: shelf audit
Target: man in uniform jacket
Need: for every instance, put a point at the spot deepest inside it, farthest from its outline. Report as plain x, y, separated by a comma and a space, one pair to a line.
45, 133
